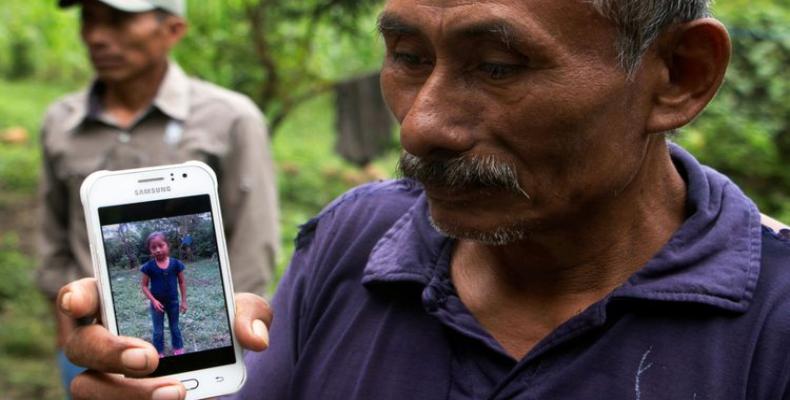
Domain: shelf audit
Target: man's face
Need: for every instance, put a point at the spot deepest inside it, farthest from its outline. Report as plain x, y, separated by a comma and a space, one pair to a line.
529, 84
123, 45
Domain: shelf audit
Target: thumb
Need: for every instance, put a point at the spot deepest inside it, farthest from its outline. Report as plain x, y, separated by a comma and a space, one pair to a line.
253, 317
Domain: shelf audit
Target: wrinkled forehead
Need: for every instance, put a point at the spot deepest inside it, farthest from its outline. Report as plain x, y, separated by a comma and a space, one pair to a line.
572, 24
546, 11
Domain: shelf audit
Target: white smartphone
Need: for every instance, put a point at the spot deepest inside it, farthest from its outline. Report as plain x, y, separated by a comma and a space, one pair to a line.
161, 262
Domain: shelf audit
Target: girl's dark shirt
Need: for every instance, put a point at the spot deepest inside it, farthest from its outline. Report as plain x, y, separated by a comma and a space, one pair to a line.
164, 282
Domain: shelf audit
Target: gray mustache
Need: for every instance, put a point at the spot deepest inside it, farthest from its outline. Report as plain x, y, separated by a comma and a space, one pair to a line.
480, 172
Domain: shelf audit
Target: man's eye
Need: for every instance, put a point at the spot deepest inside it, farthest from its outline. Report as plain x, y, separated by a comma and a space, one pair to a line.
500, 71
409, 59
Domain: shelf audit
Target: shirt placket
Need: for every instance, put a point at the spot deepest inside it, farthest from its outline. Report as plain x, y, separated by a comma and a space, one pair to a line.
544, 358
441, 300
478, 362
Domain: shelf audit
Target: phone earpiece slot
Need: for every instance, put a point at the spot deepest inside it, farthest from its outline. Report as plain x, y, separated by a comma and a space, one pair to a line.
150, 180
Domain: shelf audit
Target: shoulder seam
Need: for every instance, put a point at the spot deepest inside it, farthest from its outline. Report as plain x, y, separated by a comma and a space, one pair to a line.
228, 99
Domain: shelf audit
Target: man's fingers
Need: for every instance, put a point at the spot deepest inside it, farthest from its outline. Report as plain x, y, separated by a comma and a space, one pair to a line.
96, 385
96, 348
79, 299
253, 317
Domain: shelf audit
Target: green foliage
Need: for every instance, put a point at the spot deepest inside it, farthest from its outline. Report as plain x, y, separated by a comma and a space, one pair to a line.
310, 174
13, 267
289, 51
26, 330
22, 105
18, 168
27, 50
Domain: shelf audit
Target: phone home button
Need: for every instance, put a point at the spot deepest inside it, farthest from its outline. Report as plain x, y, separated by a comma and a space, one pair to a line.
190, 384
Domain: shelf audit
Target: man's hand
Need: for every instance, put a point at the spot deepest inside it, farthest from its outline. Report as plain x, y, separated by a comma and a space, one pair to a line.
183, 306
104, 354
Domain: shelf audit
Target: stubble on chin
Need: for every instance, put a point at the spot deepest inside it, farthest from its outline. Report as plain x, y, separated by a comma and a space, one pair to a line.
499, 236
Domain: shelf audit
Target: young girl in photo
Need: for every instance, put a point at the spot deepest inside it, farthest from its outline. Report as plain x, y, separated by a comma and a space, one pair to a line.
163, 277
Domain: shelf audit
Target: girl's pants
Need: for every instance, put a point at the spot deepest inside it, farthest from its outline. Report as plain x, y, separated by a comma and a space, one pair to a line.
158, 318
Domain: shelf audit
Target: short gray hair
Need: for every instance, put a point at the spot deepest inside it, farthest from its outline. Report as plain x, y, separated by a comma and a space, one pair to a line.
640, 22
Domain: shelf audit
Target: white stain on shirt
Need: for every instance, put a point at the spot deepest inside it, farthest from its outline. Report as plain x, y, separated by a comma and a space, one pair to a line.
643, 366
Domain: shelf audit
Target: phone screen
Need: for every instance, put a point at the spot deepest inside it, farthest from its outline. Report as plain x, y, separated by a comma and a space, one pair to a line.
166, 281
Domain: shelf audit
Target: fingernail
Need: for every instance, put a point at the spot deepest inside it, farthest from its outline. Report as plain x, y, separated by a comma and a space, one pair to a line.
259, 329
166, 393
65, 302
135, 359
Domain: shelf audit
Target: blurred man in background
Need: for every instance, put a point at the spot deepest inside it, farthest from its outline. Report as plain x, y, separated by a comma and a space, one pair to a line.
143, 110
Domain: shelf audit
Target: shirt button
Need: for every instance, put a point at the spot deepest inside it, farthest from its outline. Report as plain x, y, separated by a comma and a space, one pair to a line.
124, 137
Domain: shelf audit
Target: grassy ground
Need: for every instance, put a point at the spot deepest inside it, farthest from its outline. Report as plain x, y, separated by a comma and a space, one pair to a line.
27, 361
310, 175
27, 367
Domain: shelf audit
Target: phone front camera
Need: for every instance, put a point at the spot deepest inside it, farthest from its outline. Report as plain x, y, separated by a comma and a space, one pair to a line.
183, 175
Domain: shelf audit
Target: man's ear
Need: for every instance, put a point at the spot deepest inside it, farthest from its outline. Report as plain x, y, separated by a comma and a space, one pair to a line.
176, 29
693, 58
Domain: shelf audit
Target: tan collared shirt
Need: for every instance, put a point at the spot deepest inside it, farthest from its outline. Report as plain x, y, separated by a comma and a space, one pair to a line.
188, 120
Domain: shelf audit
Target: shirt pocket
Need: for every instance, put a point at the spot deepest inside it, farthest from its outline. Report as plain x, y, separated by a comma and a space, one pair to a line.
72, 169
202, 145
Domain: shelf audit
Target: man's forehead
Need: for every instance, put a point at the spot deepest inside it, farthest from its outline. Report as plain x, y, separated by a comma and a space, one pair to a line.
538, 19
439, 6
454, 11
441, 15
513, 4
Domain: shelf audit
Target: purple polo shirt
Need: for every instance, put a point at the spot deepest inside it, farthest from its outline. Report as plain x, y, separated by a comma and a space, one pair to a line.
367, 311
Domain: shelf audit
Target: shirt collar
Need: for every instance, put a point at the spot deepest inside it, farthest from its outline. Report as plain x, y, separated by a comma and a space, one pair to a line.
78, 109
172, 99
173, 96
712, 259
409, 251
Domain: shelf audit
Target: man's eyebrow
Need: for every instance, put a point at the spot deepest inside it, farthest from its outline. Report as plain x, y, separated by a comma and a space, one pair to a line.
393, 24
498, 30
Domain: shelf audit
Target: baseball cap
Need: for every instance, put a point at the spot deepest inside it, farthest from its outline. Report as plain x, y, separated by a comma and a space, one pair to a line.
176, 7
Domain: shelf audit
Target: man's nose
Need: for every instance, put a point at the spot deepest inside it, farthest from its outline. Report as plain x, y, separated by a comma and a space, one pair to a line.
439, 119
